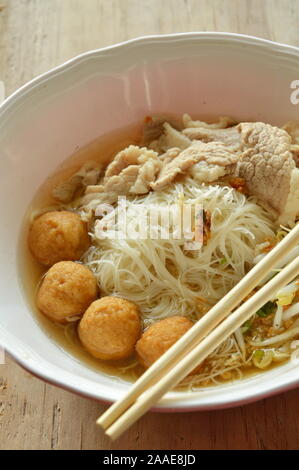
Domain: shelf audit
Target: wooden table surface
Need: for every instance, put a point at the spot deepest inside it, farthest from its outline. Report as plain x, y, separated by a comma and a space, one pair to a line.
36, 35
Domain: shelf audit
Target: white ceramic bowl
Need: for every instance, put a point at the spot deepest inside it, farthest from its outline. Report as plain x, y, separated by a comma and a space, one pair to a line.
43, 122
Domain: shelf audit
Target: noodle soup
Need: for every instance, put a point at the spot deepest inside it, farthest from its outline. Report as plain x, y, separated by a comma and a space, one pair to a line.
172, 277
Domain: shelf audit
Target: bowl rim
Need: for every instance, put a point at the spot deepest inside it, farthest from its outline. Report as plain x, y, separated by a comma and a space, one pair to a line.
47, 375
235, 37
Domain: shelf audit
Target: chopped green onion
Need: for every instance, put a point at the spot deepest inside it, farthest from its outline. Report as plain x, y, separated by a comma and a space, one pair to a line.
246, 327
223, 261
258, 354
281, 234
266, 310
262, 358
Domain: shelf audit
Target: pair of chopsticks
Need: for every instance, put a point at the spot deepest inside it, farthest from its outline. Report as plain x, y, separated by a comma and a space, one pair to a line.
204, 337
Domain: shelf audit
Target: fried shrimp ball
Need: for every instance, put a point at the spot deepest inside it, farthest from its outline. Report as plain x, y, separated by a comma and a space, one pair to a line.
58, 236
159, 337
110, 328
67, 290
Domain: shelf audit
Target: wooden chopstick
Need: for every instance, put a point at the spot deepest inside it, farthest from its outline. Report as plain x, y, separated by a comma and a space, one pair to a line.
206, 324
203, 349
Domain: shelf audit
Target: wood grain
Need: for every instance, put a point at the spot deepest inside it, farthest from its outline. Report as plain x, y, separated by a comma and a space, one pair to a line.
36, 35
